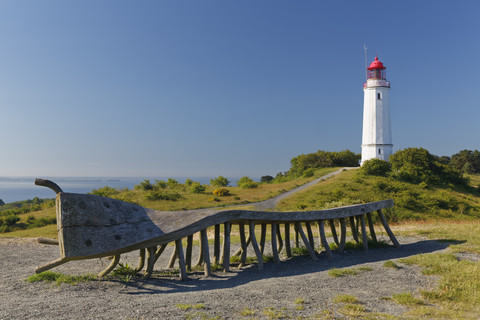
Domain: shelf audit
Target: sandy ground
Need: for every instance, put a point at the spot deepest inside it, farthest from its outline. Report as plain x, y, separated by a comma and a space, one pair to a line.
223, 295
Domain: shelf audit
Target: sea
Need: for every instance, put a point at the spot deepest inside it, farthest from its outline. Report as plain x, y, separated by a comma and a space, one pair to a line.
14, 189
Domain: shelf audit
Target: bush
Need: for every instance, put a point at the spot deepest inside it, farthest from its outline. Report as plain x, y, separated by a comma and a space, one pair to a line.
376, 167
145, 185
266, 179
172, 183
467, 161
10, 219
189, 182
31, 219
197, 188
250, 185
309, 173
247, 183
105, 191
415, 165
160, 184
43, 222
163, 195
322, 159
221, 192
220, 181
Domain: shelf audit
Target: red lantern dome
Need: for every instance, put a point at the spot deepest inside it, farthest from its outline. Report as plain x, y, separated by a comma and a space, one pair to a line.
376, 64
376, 70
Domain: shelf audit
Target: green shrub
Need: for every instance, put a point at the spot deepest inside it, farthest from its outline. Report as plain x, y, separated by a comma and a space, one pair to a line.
31, 219
172, 183
376, 167
322, 159
266, 179
105, 191
247, 183
415, 165
189, 182
197, 188
162, 195
160, 184
221, 192
467, 161
11, 219
145, 185
309, 173
220, 181
44, 222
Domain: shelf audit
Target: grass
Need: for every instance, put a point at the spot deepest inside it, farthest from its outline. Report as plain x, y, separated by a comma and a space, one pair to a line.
60, 278
237, 195
49, 231
464, 235
272, 313
345, 298
353, 310
457, 294
247, 312
299, 304
412, 201
123, 272
185, 307
407, 299
335, 272
391, 264
341, 272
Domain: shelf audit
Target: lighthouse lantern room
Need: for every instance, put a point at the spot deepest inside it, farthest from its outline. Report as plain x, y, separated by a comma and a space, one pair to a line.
377, 133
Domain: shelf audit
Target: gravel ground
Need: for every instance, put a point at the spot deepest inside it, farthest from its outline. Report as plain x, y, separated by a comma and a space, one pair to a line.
270, 292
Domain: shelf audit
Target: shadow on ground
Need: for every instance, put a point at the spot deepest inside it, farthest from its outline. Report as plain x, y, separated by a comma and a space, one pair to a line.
297, 265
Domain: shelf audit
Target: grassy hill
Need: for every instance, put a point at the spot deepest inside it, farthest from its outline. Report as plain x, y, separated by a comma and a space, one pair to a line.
412, 201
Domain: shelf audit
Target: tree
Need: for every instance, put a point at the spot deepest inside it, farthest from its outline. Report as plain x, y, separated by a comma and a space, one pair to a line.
346, 158
468, 168
220, 181
376, 167
460, 159
322, 159
266, 179
417, 165
2, 203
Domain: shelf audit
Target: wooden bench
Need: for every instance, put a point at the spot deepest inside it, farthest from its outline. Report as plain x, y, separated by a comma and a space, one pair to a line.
91, 226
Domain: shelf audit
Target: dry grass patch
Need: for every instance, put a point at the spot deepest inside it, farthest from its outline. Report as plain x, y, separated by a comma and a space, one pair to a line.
391, 264
353, 310
345, 298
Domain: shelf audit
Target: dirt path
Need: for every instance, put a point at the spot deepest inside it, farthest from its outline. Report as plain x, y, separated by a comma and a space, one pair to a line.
270, 293
272, 202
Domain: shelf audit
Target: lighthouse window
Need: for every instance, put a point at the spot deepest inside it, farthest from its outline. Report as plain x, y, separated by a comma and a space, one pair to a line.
379, 151
379, 96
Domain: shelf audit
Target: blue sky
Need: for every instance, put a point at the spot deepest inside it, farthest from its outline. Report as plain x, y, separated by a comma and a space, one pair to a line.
208, 88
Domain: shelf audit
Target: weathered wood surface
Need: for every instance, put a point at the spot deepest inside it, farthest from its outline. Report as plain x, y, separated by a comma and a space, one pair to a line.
91, 226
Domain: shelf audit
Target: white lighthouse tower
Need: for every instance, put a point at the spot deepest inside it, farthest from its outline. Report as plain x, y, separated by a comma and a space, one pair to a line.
377, 133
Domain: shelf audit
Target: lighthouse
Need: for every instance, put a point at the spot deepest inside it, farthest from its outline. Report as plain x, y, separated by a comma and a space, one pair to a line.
377, 133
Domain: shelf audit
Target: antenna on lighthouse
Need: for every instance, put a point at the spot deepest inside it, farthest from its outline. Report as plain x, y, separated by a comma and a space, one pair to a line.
366, 74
